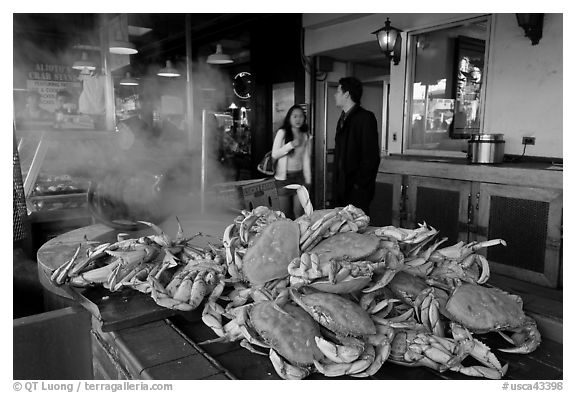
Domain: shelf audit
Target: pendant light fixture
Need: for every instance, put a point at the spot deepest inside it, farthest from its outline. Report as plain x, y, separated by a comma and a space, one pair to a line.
219, 57
169, 71
121, 45
84, 64
129, 81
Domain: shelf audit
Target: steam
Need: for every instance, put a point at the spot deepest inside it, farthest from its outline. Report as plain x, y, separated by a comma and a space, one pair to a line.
147, 148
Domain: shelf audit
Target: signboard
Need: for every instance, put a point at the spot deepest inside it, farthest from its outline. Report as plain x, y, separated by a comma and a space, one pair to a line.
48, 79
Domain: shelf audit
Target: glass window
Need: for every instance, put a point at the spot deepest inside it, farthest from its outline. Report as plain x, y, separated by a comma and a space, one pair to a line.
446, 86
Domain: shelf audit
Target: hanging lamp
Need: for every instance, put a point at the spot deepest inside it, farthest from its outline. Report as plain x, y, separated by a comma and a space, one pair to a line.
121, 45
84, 64
219, 57
129, 81
169, 71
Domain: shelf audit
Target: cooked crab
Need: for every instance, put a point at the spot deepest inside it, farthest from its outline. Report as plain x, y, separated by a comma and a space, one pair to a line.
346, 262
418, 347
359, 347
477, 308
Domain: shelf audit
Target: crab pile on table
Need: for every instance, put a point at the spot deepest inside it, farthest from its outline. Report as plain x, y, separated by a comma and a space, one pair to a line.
324, 293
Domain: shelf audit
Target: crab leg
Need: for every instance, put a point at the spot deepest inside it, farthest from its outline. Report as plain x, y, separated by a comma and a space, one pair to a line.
383, 345
160, 238
286, 370
60, 274
198, 290
338, 353
527, 338
303, 197
355, 367
96, 276
317, 228
161, 298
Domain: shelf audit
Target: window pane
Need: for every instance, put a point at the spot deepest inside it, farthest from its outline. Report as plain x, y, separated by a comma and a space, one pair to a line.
447, 76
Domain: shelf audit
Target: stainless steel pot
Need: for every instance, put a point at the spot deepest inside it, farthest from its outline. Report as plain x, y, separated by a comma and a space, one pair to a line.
486, 149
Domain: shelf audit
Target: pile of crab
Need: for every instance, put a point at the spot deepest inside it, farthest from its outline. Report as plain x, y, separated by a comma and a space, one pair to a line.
324, 293
175, 272
327, 293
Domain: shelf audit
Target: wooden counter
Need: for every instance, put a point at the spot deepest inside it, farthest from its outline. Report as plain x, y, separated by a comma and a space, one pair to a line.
536, 174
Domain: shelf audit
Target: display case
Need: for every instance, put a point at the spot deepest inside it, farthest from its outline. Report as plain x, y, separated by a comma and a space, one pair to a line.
57, 167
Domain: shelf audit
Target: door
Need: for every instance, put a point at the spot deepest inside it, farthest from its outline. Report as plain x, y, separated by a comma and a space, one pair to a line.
332, 115
373, 99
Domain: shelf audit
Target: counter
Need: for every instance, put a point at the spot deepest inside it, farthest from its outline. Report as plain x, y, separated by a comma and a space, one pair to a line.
521, 173
167, 349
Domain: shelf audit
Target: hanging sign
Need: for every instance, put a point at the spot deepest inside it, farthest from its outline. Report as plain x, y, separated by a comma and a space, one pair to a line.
48, 79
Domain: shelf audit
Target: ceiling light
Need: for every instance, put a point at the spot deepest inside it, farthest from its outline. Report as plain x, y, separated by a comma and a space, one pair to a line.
168, 71
219, 57
84, 64
129, 81
123, 48
121, 44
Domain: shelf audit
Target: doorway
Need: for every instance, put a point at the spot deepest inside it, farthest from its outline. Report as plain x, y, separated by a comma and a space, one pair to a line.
374, 99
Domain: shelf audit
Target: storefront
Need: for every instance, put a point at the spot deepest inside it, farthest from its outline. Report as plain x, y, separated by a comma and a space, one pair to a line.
171, 136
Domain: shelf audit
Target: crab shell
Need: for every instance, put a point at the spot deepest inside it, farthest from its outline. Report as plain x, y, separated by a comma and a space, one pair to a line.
348, 285
291, 334
349, 245
268, 258
340, 315
407, 287
481, 309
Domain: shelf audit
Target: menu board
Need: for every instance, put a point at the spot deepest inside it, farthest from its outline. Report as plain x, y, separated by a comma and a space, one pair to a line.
48, 79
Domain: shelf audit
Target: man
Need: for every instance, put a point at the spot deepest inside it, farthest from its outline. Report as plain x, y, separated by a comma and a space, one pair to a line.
357, 153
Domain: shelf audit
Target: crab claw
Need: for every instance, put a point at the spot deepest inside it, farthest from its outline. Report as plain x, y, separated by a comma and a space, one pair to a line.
527, 338
160, 238
303, 197
60, 275
286, 370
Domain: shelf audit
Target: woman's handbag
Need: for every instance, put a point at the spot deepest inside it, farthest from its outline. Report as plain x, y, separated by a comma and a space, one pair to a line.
267, 165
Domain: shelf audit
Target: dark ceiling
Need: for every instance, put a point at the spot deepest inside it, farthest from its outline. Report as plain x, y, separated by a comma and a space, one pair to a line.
157, 36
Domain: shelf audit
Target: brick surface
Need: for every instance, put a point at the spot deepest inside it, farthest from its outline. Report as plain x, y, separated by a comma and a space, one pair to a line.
189, 367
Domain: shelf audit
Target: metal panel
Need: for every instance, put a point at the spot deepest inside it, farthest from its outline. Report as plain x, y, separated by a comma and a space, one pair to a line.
440, 209
524, 225
441, 203
529, 220
382, 206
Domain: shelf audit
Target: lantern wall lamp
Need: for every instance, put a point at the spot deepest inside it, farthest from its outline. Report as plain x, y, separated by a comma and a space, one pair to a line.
390, 41
532, 25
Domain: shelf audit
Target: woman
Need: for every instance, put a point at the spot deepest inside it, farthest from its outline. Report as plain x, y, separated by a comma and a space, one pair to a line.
292, 151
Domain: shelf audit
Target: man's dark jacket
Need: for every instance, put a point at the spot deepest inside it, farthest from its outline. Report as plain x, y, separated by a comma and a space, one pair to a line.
356, 159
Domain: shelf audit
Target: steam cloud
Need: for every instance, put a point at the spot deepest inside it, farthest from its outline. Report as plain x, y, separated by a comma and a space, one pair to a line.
133, 150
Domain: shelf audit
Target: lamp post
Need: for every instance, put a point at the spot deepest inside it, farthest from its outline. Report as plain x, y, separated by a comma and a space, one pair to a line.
390, 41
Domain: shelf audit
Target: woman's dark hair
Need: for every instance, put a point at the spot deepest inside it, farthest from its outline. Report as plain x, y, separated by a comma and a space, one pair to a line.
289, 135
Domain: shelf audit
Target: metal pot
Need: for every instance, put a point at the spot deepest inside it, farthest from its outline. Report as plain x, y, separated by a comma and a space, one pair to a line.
486, 149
